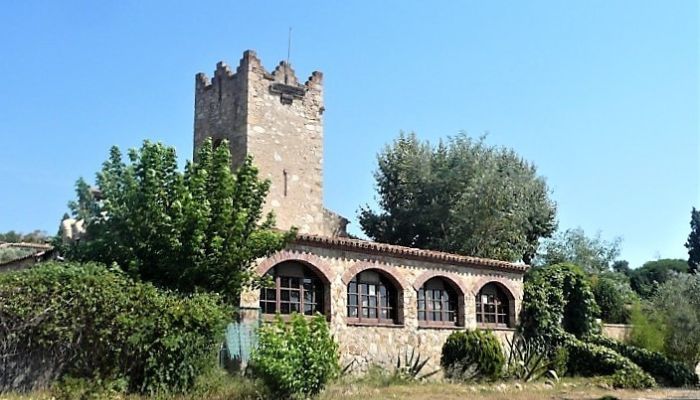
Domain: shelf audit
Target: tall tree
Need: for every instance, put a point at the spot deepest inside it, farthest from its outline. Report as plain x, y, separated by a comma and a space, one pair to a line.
693, 243
646, 279
593, 254
461, 196
201, 229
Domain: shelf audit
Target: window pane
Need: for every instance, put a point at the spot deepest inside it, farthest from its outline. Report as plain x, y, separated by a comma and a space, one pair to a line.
308, 309
372, 290
284, 295
365, 312
308, 297
421, 315
294, 296
352, 287
294, 307
363, 288
352, 300
386, 313
352, 312
284, 308
270, 308
372, 301
373, 313
284, 282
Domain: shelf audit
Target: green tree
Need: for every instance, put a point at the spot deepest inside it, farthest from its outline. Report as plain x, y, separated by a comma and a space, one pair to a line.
678, 301
36, 236
593, 254
693, 243
646, 279
461, 196
614, 296
201, 229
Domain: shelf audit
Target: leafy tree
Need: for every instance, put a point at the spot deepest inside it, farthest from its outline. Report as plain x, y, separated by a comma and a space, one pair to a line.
646, 279
693, 243
461, 196
614, 296
678, 302
36, 236
203, 228
593, 254
622, 267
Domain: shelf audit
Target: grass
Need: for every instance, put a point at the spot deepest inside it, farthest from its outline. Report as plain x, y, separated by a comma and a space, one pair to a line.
222, 387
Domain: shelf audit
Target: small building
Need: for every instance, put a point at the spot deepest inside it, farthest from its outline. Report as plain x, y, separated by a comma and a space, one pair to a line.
380, 299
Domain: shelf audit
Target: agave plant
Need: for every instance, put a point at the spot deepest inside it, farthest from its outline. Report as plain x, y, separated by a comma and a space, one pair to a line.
411, 367
528, 359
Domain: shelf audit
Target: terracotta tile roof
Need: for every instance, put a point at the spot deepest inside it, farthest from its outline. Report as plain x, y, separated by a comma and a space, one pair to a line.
365, 246
41, 251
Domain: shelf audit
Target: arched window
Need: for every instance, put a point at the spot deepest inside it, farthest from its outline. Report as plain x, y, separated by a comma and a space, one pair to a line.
493, 307
296, 289
439, 303
372, 299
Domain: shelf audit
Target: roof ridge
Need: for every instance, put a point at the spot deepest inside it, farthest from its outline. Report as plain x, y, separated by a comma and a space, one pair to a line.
407, 252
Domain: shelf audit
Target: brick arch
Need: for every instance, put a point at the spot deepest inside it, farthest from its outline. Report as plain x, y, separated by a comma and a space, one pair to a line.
316, 263
388, 271
454, 280
504, 283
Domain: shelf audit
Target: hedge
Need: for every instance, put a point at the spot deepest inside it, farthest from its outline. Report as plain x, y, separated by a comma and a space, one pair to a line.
472, 354
61, 320
590, 359
665, 371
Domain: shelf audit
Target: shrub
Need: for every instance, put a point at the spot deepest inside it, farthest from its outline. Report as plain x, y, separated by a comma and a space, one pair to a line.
648, 329
530, 359
472, 354
87, 321
665, 371
590, 359
612, 295
409, 367
295, 359
558, 297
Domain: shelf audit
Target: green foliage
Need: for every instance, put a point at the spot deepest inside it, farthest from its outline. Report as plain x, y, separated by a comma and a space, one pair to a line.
410, 367
664, 371
693, 242
529, 359
461, 196
678, 303
572, 246
590, 359
646, 279
85, 321
203, 228
36, 236
648, 328
614, 296
558, 297
296, 358
472, 354
12, 253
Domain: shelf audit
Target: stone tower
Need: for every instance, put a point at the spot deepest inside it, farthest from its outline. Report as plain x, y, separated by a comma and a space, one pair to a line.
278, 121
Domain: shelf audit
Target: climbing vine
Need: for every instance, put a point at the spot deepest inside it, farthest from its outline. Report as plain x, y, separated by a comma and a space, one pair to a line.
558, 297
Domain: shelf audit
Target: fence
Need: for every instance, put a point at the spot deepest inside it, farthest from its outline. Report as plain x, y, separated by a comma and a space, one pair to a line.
241, 338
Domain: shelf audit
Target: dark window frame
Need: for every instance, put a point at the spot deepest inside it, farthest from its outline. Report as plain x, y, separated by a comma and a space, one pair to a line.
497, 313
451, 313
385, 294
273, 295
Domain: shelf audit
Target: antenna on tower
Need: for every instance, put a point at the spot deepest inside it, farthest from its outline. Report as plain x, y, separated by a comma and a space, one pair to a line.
289, 44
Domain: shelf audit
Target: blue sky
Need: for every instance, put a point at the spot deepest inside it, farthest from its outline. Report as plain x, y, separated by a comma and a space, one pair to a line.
601, 95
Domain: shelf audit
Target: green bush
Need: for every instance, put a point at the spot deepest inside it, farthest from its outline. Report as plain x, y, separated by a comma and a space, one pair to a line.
558, 298
648, 329
665, 371
612, 294
87, 321
590, 359
472, 354
296, 358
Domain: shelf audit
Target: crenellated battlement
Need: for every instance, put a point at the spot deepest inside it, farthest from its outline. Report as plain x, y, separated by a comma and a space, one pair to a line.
250, 63
278, 120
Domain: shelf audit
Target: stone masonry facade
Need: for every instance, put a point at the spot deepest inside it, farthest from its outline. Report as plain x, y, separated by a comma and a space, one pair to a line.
278, 121
338, 260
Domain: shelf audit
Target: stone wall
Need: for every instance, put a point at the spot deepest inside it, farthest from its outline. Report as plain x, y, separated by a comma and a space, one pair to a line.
619, 332
381, 344
278, 121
